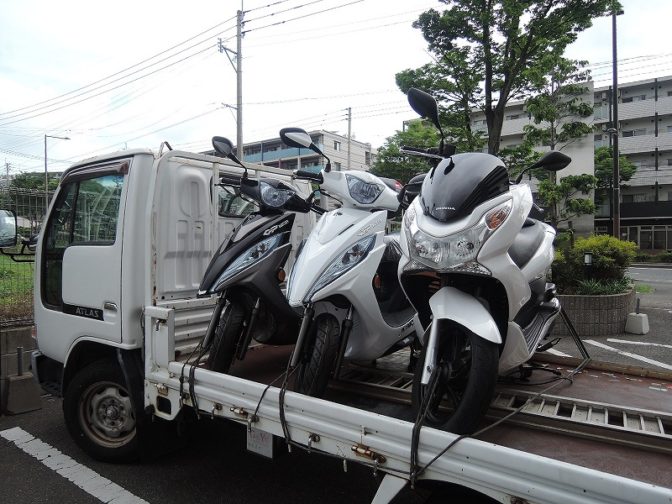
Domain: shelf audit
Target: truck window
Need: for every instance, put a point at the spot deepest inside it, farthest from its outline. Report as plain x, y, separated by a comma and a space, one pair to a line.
231, 205
85, 213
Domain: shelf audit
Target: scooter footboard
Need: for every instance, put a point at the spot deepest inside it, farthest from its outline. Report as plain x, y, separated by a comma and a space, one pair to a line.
453, 304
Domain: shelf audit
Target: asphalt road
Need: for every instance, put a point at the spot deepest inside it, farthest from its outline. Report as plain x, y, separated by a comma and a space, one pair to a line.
650, 351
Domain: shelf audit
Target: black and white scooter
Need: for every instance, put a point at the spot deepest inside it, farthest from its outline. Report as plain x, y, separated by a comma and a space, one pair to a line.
474, 266
247, 270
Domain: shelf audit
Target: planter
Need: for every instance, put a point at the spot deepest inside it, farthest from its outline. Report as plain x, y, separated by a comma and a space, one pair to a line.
596, 315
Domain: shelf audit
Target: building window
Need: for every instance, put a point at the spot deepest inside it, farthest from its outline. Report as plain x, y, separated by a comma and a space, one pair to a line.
337, 145
634, 132
598, 138
367, 158
513, 116
337, 166
631, 99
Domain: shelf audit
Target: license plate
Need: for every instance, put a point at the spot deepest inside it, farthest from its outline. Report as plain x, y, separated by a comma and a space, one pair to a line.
260, 442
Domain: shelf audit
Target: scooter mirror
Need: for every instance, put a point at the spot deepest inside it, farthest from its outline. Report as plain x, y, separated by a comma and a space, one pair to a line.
424, 105
223, 146
298, 138
553, 161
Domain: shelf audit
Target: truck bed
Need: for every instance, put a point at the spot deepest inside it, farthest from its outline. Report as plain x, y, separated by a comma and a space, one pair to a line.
603, 441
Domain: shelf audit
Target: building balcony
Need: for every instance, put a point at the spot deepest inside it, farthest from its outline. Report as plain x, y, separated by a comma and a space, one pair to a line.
274, 155
645, 143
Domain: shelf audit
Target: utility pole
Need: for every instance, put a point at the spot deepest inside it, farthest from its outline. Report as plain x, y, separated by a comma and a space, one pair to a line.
7, 165
349, 109
616, 197
237, 64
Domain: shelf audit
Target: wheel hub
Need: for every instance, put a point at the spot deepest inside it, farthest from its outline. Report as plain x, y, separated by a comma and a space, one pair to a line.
109, 413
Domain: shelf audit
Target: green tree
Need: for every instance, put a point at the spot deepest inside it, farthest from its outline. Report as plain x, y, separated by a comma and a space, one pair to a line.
604, 168
558, 108
564, 197
35, 180
505, 44
392, 163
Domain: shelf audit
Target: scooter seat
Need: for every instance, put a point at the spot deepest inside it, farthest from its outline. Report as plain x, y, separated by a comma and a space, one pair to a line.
392, 248
526, 242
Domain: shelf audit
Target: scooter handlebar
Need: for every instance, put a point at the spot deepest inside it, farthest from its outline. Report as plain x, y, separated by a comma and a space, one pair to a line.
307, 175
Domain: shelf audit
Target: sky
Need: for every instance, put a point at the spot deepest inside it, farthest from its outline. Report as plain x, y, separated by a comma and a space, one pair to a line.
127, 74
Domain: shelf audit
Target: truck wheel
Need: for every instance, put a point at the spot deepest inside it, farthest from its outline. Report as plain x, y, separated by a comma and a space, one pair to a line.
99, 413
467, 381
227, 338
320, 356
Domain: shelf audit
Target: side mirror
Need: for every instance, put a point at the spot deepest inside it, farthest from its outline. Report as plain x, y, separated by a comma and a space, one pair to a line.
224, 147
300, 139
8, 228
551, 161
424, 105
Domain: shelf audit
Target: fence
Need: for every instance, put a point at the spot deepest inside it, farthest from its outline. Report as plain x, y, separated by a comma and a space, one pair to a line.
16, 278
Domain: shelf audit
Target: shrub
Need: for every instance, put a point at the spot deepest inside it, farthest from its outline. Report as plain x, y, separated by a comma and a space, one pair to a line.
592, 287
611, 258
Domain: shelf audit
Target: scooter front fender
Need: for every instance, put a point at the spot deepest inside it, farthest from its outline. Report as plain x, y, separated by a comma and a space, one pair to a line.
453, 304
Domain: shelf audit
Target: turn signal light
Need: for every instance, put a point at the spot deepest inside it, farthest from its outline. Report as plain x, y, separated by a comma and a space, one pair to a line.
496, 217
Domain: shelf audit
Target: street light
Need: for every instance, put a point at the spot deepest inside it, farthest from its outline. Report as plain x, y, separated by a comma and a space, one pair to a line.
46, 174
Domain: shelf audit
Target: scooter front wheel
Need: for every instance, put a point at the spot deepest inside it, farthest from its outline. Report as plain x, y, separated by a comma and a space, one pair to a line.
318, 362
466, 382
227, 337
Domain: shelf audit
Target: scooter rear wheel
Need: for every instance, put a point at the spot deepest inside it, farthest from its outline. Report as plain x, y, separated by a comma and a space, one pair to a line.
318, 363
468, 389
227, 337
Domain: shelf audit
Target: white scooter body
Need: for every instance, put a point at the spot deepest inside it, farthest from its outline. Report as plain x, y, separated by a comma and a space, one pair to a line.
335, 233
452, 304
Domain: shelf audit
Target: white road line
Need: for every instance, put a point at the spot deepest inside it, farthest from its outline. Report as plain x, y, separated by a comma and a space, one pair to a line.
86, 479
641, 343
628, 354
557, 352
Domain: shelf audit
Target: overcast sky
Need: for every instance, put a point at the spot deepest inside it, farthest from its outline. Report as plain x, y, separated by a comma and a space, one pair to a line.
125, 74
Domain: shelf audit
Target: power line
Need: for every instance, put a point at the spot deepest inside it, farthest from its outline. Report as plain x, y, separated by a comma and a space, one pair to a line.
125, 69
282, 11
266, 6
304, 16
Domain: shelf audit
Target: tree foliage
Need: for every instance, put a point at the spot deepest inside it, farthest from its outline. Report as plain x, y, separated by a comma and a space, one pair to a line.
563, 198
35, 180
604, 168
488, 52
391, 163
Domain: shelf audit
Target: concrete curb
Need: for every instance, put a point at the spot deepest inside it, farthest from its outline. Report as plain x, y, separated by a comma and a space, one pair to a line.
651, 265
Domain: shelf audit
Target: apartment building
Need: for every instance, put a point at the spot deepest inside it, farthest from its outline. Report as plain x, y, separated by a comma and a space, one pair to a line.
645, 137
581, 151
272, 152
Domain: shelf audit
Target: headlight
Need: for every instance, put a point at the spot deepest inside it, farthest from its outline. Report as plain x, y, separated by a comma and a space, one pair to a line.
253, 254
274, 196
361, 191
451, 251
348, 260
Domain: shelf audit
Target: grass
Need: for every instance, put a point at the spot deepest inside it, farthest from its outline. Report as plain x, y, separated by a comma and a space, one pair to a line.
644, 288
16, 289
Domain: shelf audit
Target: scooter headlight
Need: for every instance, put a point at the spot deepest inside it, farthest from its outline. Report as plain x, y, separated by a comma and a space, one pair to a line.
450, 252
362, 191
274, 196
255, 253
344, 263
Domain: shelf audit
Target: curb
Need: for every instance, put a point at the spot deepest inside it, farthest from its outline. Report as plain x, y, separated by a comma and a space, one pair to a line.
651, 265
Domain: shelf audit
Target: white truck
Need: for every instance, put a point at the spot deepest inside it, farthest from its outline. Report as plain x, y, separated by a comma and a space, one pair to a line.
118, 265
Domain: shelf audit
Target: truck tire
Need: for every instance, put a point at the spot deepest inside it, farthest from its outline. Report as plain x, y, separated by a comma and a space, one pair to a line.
227, 338
318, 364
470, 391
99, 413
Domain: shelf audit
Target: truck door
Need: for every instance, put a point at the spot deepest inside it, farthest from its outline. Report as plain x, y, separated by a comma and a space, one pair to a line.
80, 262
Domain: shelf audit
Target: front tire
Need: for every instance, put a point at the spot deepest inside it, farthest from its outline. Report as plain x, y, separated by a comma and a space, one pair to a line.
100, 415
227, 337
468, 375
318, 364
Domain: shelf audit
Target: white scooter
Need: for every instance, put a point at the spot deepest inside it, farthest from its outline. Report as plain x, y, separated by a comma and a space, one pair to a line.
474, 266
344, 281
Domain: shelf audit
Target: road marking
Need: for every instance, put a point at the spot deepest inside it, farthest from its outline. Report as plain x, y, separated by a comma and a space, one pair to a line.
628, 354
557, 352
86, 479
641, 343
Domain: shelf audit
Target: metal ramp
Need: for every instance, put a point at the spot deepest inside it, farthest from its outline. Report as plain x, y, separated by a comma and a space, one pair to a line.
649, 430
640, 428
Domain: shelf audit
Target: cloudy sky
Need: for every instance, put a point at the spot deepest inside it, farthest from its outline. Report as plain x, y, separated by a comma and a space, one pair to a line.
130, 74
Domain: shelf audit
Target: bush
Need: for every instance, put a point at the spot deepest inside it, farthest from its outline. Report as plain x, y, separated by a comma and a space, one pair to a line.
592, 287
611, 258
